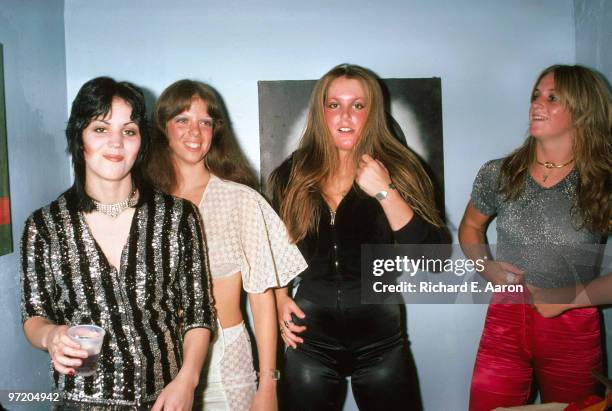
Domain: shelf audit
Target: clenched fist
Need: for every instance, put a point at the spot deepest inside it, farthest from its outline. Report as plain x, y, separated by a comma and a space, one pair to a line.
372, 176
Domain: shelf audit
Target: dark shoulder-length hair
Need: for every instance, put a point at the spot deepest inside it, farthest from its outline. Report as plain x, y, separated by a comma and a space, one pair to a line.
587, 97
224, 158
94, 100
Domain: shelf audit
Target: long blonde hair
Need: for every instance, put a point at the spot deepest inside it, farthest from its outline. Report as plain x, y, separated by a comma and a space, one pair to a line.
224, 158
316, 158
587, 97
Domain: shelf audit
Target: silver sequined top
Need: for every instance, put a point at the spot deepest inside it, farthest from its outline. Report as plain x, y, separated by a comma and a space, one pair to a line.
538, 231
161, 291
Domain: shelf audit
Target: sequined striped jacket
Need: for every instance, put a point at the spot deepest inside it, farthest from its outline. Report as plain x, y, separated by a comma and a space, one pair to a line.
160, 292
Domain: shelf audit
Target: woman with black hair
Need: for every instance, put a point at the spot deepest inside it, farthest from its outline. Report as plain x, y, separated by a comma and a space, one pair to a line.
113, 252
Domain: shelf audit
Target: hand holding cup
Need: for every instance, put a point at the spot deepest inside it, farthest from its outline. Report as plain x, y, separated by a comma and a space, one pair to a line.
89, 338
64, 352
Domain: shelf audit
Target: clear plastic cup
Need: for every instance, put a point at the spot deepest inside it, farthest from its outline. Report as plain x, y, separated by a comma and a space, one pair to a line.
90, 337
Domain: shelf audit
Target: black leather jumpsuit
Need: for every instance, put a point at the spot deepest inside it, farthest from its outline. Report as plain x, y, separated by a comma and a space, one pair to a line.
344, 338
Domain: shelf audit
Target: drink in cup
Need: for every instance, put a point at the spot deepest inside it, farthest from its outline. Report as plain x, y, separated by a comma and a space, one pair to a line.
90, 338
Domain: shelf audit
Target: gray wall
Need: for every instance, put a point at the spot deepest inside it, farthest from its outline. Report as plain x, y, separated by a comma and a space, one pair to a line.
32, 33
593, 49
594, 34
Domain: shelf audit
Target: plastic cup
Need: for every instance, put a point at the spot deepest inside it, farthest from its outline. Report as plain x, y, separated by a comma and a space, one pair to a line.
90, 337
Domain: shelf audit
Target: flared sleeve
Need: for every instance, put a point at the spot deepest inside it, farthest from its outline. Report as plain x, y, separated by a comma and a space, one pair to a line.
269, 259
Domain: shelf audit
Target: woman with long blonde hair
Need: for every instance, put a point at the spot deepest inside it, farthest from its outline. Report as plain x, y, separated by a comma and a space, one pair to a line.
195, 156
349, 183
551, 198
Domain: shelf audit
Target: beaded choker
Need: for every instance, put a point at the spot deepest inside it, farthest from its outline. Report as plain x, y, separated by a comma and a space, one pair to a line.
113, 210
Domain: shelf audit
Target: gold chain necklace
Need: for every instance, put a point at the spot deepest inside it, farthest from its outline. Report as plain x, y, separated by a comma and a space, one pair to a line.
550, 166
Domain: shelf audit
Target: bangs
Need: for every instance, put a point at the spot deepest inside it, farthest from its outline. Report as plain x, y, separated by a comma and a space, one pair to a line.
102, 111
181, 103
172, 103
92, 109
105, 110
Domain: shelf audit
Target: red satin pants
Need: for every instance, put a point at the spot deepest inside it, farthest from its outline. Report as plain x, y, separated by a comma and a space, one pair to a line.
518, 344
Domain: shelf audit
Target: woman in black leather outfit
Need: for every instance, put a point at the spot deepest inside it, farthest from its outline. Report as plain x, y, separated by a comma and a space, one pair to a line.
349, 183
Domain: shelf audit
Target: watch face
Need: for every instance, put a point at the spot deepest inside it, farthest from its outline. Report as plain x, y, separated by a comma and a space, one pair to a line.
381, 195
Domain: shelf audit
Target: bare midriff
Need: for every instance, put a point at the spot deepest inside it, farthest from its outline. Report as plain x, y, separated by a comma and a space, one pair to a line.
227, 291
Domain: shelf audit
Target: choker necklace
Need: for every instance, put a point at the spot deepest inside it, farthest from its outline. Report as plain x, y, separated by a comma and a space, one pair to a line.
549, 166
113, 210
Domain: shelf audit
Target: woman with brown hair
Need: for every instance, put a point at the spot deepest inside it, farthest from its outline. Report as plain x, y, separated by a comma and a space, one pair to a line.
195, 156
349, 183
551, 198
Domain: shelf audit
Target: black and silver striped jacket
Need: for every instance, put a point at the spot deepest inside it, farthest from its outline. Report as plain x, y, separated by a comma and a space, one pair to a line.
161, 291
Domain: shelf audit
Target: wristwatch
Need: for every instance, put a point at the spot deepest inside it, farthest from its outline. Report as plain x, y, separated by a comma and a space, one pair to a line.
273, 374
382, 194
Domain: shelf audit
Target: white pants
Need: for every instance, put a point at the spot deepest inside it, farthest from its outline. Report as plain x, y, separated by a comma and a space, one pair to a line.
228, 381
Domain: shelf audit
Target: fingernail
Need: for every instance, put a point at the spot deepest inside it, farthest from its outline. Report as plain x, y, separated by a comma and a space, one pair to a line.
71, 372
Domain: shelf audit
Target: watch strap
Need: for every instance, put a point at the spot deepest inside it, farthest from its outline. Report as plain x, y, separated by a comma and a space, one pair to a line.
273, 374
